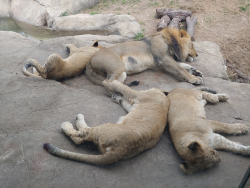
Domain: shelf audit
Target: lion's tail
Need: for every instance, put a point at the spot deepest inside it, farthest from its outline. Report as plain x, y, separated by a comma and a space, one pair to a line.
27, 73
106, 158
203, 88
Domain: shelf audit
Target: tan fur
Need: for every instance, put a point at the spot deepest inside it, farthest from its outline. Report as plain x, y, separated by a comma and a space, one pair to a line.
155, 52
193, 135
57, 68
139, 130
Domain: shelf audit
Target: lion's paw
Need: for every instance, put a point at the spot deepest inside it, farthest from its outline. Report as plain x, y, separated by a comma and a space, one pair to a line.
117, 98
196, 72
240, 128
222, 97
196, 80
67, 127
80, 122
68, 46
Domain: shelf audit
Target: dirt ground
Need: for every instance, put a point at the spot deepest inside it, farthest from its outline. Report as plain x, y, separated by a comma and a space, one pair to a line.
225, 23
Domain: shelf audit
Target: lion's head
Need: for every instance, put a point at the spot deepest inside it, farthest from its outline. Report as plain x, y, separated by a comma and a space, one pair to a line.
199, 156
180, 44
188, 51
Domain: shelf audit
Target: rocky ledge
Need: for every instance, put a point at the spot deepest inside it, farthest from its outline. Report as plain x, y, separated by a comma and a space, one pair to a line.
32, 110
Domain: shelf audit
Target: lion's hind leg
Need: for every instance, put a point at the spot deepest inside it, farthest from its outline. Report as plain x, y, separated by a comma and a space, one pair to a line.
117, 98
236, 128
76, 136
71, 48
220, 142
80, 122
40, 69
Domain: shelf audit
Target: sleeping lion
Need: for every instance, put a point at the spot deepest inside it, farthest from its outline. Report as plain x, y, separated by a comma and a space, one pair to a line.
156, 52
56, 68
193, 135
139, 130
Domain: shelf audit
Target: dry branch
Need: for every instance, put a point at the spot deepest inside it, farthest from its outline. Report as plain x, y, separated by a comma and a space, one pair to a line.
191, 26
242, 75
171, 13
163, 23
175, 23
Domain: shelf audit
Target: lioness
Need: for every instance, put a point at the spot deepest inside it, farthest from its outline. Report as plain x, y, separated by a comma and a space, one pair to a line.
156, 52
193, 135
139, 130
56, 68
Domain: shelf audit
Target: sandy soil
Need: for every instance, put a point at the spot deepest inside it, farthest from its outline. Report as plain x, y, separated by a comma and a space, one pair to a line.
226, 23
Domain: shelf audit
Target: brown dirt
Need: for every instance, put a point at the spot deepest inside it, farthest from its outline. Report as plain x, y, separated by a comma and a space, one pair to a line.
225, 23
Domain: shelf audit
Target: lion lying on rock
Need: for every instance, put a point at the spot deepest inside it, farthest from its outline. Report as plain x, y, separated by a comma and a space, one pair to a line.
156, 52
193, 135
139, 130
56, 68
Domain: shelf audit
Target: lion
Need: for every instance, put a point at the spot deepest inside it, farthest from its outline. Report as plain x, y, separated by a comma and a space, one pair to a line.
139, 130
56, 68
193, 135
156, 52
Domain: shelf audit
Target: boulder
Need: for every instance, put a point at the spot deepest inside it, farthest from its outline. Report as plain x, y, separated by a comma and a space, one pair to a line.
29, 11
4, 8
102, 24
210, 60
39, 12
32, 110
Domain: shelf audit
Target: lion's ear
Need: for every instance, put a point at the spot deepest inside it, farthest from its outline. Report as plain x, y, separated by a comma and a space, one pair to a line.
166, 93
194, 146
95, 44
187, 168
184, 34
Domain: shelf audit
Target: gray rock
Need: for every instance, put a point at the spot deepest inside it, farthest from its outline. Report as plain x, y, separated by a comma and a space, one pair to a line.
39, 12
4, 8
32, 110
210, 61
102, 24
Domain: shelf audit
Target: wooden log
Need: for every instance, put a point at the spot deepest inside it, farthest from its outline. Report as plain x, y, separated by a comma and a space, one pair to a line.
191, 26
181, 14
163, 23
242, 75
175, 23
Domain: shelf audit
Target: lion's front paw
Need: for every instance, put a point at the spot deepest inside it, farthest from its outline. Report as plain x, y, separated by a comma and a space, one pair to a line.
117, 98
196, 72
222, 97
240, 128
196, 80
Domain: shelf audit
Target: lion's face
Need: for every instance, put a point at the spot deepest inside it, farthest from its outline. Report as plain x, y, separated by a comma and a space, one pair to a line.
189, 52
200, 157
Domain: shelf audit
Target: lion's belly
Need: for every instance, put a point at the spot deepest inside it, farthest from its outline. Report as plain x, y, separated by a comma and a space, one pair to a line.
138, 63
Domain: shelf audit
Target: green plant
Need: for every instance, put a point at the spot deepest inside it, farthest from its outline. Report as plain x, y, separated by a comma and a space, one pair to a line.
141, 23
92, 13
153, 4
64, 14
244, 8
143, 29
139, 36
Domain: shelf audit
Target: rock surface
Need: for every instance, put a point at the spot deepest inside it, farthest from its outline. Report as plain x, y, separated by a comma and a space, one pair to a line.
102, 24
32, 110
4, 8
38, 12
